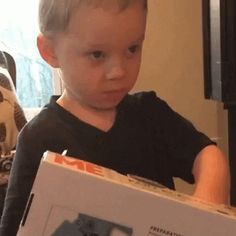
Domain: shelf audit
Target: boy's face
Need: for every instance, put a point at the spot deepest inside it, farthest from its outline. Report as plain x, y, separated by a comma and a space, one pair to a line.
100, 54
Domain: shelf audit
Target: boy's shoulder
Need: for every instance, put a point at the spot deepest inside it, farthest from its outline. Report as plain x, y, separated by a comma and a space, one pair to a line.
44, 122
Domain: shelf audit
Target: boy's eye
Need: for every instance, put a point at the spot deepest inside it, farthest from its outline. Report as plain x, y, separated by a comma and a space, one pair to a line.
96, 55
133, 49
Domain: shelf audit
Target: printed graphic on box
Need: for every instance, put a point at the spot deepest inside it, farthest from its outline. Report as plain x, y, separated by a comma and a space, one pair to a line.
63, 221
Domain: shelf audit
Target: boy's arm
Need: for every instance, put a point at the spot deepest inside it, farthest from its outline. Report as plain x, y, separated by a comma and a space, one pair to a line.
211, 173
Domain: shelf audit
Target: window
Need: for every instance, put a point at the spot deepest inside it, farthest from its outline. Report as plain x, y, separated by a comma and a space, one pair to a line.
18, 32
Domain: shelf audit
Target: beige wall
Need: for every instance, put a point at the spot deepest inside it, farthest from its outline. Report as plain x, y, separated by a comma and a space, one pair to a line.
173, 65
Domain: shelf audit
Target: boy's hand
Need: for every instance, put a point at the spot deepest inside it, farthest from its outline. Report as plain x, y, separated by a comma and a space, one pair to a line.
211, 173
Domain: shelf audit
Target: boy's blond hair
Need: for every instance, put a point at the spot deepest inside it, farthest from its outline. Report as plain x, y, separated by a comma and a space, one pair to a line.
54, 15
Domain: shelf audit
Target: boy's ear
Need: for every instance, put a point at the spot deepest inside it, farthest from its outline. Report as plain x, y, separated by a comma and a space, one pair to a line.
46, 50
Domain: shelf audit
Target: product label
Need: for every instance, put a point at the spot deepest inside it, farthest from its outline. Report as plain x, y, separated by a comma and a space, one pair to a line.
158, 231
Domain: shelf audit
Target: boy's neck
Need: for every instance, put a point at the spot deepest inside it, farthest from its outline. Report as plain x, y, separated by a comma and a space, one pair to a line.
101, 119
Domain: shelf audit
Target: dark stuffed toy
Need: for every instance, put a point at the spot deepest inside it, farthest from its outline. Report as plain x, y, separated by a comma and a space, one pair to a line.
12, 118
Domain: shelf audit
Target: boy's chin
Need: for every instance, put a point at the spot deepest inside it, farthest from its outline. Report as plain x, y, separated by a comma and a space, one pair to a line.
107, 106
109, 101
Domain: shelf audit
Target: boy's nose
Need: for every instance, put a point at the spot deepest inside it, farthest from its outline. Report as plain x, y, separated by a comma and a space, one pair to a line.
116, 70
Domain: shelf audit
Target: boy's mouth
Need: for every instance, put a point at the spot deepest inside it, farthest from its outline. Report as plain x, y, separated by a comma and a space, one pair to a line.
115, 93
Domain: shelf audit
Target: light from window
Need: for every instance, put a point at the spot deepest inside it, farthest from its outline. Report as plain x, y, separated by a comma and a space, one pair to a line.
18, 32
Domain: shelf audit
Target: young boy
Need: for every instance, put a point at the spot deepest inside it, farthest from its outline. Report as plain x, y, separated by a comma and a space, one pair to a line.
97, 45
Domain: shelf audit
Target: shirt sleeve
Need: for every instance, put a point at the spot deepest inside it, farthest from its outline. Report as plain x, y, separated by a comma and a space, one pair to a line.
182, 139
23, 172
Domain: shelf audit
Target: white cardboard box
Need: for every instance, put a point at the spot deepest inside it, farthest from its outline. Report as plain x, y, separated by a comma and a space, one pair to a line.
71, 197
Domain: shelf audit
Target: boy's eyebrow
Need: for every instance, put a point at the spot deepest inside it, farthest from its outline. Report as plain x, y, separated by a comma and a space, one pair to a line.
139, 39
96, 45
